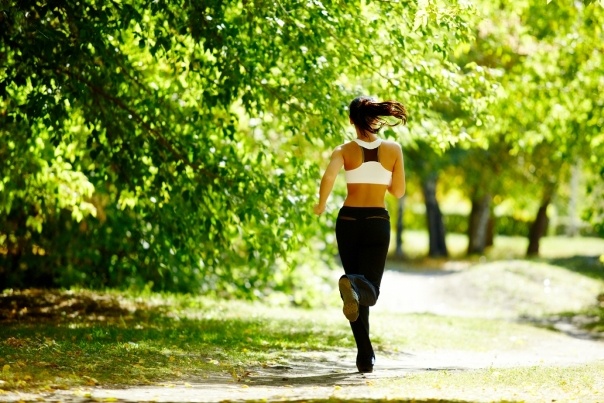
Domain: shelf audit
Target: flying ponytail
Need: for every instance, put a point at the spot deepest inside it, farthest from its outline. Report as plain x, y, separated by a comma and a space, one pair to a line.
367, 114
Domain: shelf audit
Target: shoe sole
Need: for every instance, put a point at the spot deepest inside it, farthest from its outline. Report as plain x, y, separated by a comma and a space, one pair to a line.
350, 298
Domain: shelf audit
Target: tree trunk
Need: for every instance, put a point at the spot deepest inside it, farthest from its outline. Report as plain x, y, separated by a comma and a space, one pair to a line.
573, 227
490, 231
538, 228
478, 228
434, 217
400, 209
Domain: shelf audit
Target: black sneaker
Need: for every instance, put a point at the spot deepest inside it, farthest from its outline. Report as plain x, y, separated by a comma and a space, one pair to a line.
350, 298
367, 367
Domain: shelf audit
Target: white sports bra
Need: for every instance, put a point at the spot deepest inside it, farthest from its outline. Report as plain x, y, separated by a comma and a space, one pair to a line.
371, 170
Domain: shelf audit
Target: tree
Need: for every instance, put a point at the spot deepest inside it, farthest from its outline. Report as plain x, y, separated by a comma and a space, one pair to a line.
174, 144
426, 164
546, 53
552, 94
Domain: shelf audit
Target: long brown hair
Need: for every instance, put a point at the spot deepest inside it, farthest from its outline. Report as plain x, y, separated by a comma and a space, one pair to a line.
367, 114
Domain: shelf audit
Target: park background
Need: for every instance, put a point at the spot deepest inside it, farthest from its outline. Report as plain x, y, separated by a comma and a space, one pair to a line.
178, 146
159, 162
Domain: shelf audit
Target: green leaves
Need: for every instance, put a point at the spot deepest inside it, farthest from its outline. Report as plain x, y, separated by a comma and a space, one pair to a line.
178, 144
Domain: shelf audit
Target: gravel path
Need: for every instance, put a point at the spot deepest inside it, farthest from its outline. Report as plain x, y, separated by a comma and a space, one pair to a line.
459, 291
489, 290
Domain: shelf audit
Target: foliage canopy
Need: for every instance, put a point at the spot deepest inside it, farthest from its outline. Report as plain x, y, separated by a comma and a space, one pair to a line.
176, 144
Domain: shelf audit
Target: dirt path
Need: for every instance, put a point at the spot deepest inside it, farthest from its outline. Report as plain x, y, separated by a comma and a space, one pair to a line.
324, 375
314, 375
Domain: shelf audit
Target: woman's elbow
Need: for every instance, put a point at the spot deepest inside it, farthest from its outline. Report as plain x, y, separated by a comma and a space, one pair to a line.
397, 192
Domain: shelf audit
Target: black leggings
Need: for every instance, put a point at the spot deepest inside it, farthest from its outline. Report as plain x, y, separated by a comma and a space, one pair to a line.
363, 235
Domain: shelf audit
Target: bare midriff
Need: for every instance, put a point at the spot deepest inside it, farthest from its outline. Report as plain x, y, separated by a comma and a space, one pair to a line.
365, 195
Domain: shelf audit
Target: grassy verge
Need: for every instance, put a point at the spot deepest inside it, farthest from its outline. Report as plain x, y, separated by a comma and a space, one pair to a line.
58, 340
525, 384
158, 338
415, 246
169, 337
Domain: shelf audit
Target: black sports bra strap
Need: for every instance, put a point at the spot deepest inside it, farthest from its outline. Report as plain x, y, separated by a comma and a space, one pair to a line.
370, 154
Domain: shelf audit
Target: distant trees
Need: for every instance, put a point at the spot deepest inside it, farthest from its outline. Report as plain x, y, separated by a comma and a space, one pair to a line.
548, 57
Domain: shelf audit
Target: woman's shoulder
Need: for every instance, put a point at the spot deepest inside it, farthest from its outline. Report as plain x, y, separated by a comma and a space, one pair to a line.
349, 149
391, 144
347, 144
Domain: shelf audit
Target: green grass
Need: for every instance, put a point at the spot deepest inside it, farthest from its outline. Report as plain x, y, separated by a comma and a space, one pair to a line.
189, 336
176, 336
525, 384
114, 339
411, 333
415, 245
590, 266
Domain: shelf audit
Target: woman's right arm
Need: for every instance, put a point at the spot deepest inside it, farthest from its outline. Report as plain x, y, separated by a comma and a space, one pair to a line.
397, 186
329, 177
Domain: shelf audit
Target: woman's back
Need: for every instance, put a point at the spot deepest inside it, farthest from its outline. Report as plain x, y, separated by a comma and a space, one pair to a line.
389, 156
373, 166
